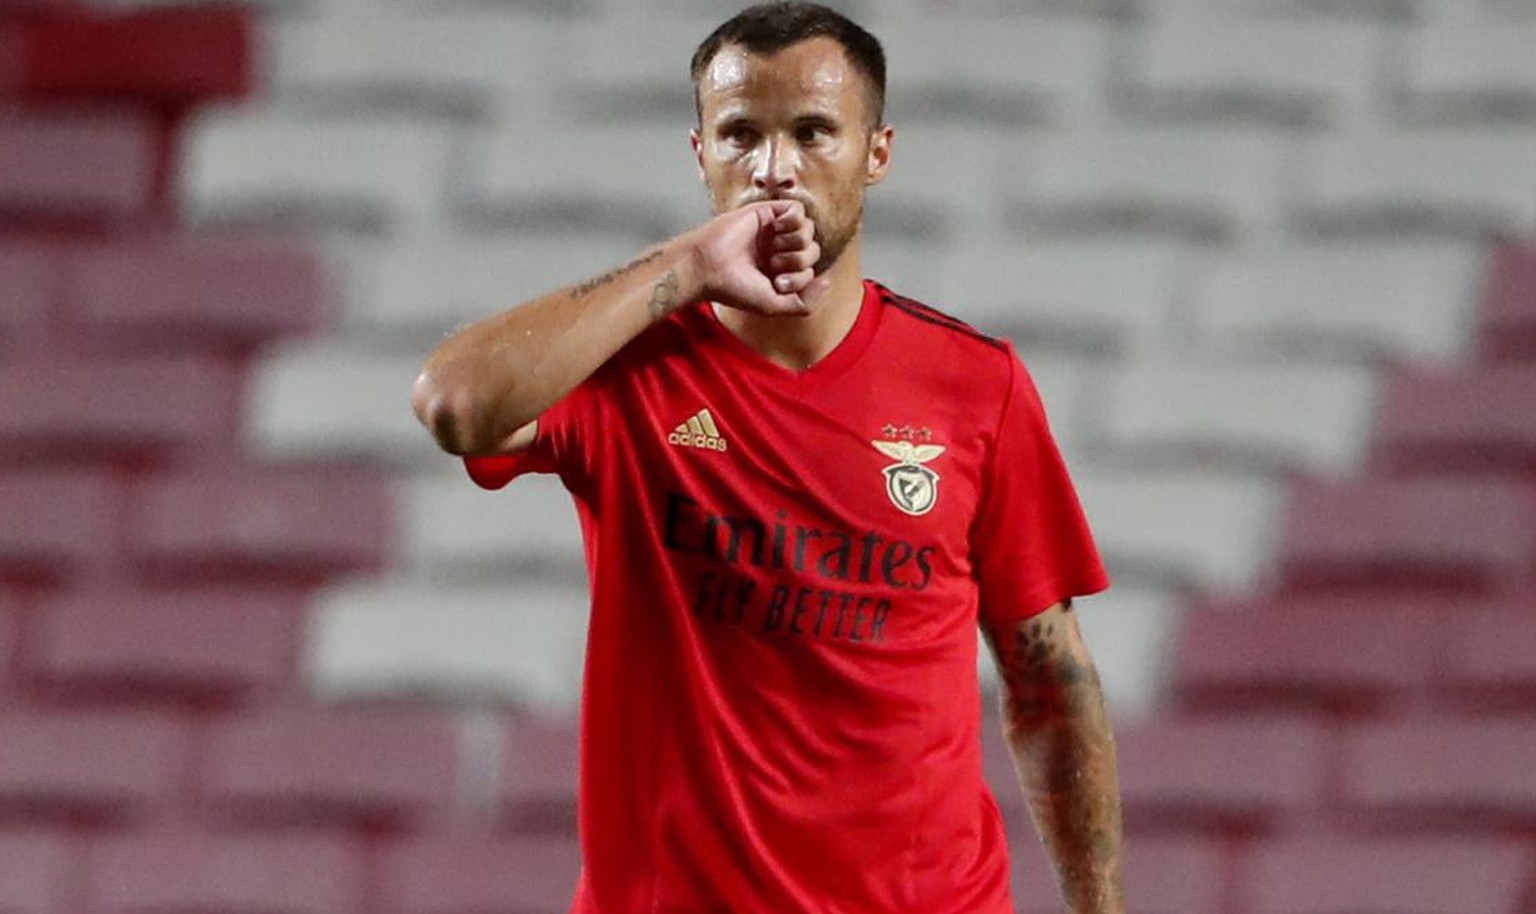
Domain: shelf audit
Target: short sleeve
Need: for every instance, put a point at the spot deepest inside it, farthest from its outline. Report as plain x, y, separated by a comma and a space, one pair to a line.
1031, 544
559, 447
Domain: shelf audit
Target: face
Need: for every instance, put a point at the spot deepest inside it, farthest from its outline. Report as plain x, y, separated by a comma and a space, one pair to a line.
791, 125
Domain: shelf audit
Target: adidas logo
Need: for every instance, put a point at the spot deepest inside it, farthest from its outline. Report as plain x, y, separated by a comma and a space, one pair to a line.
700, 431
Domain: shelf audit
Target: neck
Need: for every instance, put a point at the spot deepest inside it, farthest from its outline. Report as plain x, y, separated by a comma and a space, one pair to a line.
799, 341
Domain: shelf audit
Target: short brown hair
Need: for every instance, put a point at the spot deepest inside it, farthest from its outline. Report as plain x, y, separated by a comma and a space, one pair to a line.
769, 27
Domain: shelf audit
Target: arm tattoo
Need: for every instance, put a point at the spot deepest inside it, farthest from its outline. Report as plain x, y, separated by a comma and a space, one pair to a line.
664, 296
583, 289
1058, 730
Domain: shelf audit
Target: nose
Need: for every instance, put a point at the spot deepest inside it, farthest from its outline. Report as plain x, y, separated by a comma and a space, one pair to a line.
777, 167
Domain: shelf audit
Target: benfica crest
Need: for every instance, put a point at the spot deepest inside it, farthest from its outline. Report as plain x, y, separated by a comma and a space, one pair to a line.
912, 487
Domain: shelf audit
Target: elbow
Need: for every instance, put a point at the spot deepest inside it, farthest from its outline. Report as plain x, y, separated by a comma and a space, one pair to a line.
453, 415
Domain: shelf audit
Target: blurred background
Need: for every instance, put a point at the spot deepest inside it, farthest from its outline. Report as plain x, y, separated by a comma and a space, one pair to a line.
264, 651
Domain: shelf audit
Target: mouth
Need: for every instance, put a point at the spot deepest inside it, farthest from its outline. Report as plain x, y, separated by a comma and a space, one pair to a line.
765, 198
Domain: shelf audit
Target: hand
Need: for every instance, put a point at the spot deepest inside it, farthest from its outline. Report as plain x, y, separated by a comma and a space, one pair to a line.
759, 258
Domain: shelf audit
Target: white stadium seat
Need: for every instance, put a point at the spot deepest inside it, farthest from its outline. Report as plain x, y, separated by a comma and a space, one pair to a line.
1440, 179
1464, 69
611, 81
964, 66
476, 60
1338, 300
630, 176
435, 283
1093, 9
507, 644
947, 181
1278, 415
1102, 295
1200, 181
1289, 71
1279, 10
1185, 526
357, 170
329, 399
451, 527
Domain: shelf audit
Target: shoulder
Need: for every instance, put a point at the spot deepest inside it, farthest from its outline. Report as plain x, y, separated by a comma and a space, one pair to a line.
956, 352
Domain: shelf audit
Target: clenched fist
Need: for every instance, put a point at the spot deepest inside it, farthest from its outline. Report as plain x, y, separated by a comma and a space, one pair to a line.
759, 258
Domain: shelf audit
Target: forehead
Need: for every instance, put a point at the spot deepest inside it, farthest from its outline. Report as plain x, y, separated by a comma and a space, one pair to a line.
815, 73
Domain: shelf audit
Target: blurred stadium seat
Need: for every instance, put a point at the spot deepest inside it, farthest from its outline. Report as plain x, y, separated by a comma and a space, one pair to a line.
1339, 652
1333, 875
1472, 772
104, 765
1442, 530
527, 874
308, 765
1201, 771
75, 164
200, 871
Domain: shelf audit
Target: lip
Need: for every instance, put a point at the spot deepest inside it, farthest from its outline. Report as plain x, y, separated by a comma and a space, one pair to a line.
770, 197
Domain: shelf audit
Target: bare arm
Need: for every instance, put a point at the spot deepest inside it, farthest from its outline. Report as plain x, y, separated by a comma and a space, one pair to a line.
482, 389
1059, 734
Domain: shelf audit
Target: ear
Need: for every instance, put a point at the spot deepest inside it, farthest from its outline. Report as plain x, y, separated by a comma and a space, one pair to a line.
697, 142
879, 154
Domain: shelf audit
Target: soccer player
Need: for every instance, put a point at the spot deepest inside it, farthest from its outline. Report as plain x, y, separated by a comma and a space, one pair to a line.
800, 493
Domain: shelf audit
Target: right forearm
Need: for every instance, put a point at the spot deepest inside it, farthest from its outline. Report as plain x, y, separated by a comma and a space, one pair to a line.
493, 376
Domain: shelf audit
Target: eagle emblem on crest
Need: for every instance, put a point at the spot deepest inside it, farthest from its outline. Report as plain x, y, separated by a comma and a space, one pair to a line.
913, 487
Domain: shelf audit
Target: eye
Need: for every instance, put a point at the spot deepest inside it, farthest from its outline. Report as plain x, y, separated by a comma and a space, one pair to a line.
738, 134
809, 134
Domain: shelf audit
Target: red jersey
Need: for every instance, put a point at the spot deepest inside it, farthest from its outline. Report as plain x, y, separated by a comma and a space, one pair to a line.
780, 709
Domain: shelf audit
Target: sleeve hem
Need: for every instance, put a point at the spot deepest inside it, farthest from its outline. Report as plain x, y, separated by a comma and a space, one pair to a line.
1042, 597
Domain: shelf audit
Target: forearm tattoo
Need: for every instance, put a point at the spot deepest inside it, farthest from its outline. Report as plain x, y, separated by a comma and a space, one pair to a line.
583, 289
664, 295
1053, 706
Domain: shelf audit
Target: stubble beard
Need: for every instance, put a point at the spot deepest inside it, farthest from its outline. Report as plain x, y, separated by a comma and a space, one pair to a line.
834, 240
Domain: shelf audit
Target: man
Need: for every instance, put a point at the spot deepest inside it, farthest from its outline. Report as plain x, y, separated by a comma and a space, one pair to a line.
799, 494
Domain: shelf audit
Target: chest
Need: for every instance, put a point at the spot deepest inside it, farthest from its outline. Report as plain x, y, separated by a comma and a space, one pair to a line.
889, 456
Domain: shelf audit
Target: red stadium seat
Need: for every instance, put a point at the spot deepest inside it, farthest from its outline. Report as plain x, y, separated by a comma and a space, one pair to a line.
167, 56
56, 521
451, 874
997, 766
1509, 305
29, 278
1492, 656
33, 871
278, 873
1473, 772
538, 775
1324, 651
1162, 875
288, 520
93, 407
96, 764
180, 291
10, 624
1443, 530
1237, 772
216, 643
1324, 875
322, 764
73, 165
1466, 420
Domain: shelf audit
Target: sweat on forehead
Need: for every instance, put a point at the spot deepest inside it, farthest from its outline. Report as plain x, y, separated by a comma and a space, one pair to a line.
816, 69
